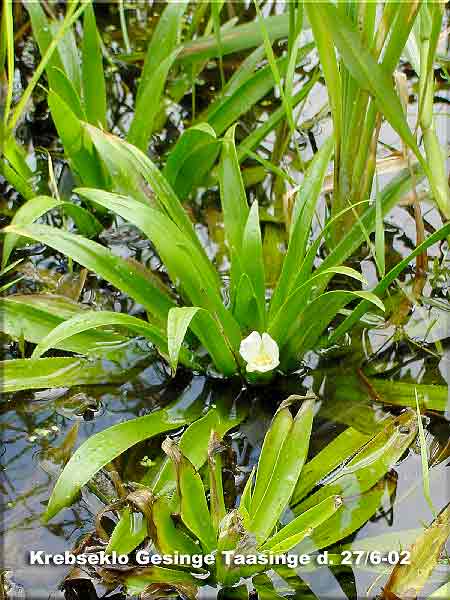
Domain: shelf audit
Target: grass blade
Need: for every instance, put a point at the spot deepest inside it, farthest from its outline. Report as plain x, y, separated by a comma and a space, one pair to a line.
70, 18
383, 285
94, 89
367, 72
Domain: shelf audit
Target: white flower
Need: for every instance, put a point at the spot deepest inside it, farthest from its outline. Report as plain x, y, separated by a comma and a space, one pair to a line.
260, 352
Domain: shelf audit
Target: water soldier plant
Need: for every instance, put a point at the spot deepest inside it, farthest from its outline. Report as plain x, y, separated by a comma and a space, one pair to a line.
183, 509
202, 319
245, 155
221, 316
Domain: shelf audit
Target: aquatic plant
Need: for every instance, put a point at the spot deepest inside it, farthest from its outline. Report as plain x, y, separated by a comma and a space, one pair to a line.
300, 310
200, 310
183, 510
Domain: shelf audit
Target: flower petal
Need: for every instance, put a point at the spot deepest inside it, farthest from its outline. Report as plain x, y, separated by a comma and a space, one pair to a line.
271, 348
250, 347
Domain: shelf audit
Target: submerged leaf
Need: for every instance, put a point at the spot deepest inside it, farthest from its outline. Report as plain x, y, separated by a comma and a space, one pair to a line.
371, 463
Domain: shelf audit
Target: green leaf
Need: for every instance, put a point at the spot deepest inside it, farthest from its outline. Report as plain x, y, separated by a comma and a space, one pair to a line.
193, 443
130, 531
371, 463
239, 38
246, 497
43, 373
89, 320
299, 324
172, 245
94, 89
148, 104
191, 159
169, 538
103, 447
141, 579
263, 129
370, 75
206, 329
234, 204
232, 193
34, 316
270, 453
294, 532
389, 278
285, 474
117, 153
300, 229
43, 36
253, 264
216, 497
72, 15
178, 322
188, 267
402, 393
68, 51
36, 207
355, 512
246, 309
240, 101
330, 69
194, 507
77, 145
336, 452
64, 88
120, 273
163, 41
424, 459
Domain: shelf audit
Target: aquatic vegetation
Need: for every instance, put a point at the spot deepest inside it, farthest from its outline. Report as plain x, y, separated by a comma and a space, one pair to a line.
207, 208
199, 311
300, 309
183, 511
